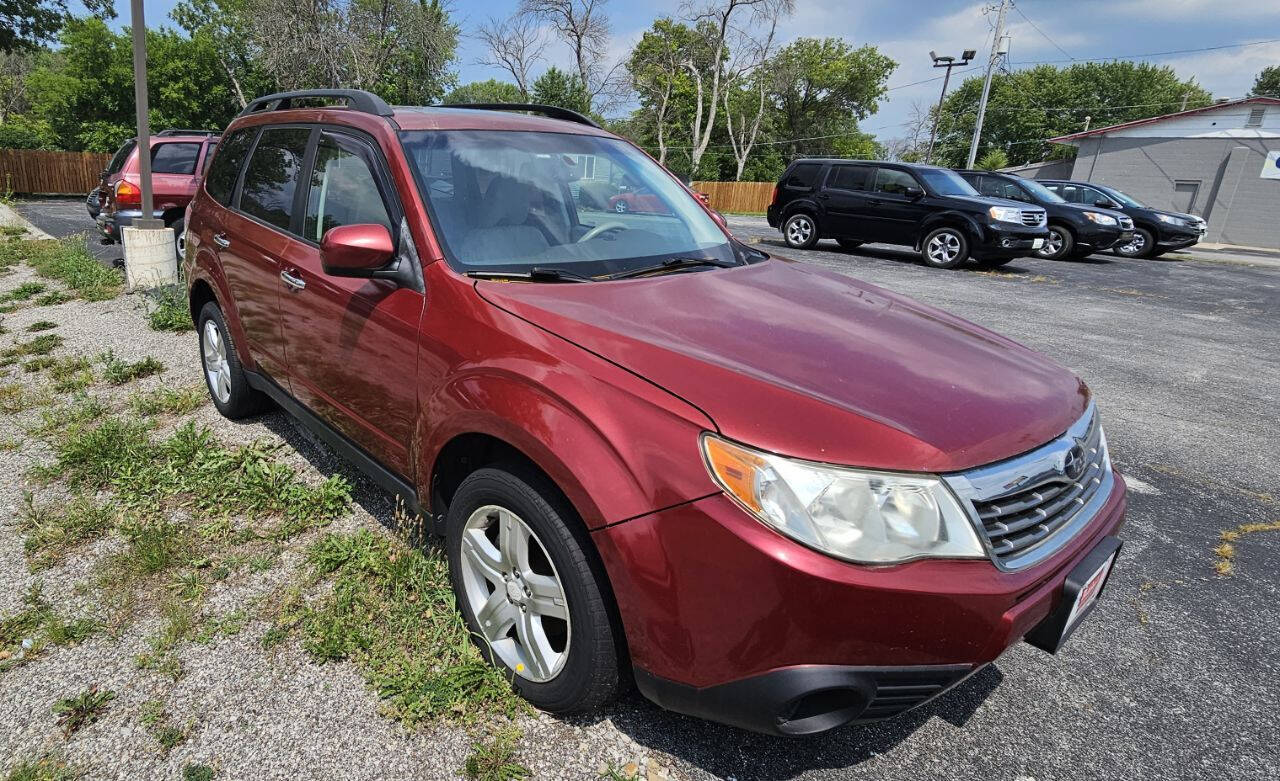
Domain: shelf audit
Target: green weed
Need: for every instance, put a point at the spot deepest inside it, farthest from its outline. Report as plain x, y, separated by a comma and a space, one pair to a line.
24, 292
41, 345
71, 374
170, 401
171, 312
53, 298
69, 262
24, 635
493, 759
16, 397
118, 372
82, 710
197, 772
42, 325
46, 768
52, 530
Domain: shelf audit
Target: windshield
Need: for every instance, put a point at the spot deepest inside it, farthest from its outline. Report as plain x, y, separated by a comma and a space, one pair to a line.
1042, 192
1124, 199
944, 182
515, 200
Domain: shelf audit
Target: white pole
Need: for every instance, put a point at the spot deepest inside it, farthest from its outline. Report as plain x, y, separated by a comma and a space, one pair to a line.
986, 84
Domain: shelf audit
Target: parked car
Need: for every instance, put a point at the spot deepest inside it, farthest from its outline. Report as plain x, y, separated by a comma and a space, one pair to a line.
772, 495
178, 159
642, 201
1075, 230
928, 208
1155, 231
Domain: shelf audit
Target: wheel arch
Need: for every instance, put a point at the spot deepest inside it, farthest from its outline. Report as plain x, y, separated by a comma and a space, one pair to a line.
949, 219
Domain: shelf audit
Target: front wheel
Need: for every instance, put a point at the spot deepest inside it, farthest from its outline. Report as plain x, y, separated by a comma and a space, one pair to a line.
1141, 246
620, 207
1059, 244
800, 231
945, 248
530, 590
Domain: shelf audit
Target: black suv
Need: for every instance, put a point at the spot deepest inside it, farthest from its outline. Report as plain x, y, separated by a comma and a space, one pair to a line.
1155, 232
1075, 230
925, 207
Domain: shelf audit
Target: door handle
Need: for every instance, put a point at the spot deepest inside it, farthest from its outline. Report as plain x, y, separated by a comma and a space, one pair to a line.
221, 240
297, 283
874, 201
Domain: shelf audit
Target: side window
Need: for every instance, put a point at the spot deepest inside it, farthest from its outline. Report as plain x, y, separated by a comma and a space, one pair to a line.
122, 154
803, 176
1093, 197
272, 176
343, 188
889, 180
1010, 190
208, 155
220, 181
174, 158
850, 177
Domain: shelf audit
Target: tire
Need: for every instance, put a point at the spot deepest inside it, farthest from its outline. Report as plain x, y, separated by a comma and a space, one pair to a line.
944, 248
179, 238
800, 231
1142, 246
621, 207
1060, 244
240, 399
580, 665
849, 244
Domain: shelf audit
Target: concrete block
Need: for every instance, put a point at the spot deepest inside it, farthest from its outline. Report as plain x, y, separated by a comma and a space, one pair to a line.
149, 259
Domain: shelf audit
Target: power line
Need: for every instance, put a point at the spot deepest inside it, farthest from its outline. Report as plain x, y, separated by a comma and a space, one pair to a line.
1155, 54
1043, 34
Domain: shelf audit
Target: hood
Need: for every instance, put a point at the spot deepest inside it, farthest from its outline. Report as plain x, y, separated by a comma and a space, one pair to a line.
816, 365
987, 201
1080, 207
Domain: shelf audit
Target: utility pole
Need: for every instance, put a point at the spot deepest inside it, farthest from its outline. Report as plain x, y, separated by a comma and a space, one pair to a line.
999, 47
149, 254
943, 61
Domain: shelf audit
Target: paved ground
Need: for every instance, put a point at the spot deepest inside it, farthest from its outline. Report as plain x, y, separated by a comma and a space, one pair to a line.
63, 217
1176, 673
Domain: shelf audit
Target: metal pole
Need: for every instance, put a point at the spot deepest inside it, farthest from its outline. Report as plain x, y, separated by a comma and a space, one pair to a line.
928, 157
986, 84
140, 102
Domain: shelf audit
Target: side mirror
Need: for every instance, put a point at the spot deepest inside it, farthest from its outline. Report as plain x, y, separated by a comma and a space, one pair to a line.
913, 193
356, 250
1106, 204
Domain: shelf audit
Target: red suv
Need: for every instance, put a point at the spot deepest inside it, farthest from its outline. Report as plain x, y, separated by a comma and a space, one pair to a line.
770, 495
178, 160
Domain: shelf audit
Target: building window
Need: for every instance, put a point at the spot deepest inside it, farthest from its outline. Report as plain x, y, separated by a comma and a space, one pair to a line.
1185, 192
1255, 116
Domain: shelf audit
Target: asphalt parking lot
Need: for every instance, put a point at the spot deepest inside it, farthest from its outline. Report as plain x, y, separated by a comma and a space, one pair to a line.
1175, 675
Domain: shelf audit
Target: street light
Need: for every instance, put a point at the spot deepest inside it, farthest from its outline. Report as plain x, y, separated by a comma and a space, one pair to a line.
948, 62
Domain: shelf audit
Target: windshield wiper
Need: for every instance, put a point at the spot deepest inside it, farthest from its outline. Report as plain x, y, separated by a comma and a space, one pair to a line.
535, 274
671, 264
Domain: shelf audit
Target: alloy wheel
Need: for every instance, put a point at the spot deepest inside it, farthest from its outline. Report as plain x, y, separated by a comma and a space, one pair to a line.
216, 368
515, 593
944, 248
180, 245
1135, 246
1052, 245
799, 230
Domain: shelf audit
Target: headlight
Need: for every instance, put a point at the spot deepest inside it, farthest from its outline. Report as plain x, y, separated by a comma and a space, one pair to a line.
1170, 219
853, 514
1005, 214
1101, 219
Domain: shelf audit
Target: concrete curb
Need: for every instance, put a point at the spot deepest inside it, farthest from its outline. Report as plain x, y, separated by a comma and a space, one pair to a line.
10, 217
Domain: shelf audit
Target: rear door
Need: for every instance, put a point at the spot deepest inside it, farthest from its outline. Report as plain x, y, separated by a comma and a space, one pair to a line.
173, 172
844, 196
892, 215
351, 343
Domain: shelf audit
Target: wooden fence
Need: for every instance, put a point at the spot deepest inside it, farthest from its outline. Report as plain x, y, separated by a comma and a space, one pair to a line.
737, 197
55, 173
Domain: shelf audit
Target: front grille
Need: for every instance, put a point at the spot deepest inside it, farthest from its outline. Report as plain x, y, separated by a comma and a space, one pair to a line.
1126, 224
1033, 219
1024, 505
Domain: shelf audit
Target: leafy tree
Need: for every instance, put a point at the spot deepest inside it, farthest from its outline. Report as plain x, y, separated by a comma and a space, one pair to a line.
24, 24
1027, 107
1267, 83
25, 132
557, 88
224, 26
658, 75
491, 91
993, 159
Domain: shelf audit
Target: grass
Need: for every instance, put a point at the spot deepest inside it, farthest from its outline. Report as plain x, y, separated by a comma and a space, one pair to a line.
24, 292
46, 768
169, 401
66, 261
391, 612
197, 772
54, 298
75, 713
42, 325
170, 312
70, 375
161, 726
16, 397
1226, 549
40, 345
119, 372
24, 635
493, 758
54, 530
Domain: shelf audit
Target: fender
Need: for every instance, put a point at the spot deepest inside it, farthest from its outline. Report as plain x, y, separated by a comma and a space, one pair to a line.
810, 205
951, 217
206, 268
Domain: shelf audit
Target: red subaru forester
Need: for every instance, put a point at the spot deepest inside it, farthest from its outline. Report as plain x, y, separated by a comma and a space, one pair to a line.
770, 495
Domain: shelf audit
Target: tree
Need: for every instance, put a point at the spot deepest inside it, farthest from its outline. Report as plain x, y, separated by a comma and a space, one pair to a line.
24, 24
584, 27
566, 90
821, 87
656, 68
1027, 107
994, 159
744, 103
225, 26
1267, 83
491, 91
515, 45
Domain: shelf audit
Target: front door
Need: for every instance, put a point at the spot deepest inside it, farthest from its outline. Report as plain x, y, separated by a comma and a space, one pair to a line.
351, 343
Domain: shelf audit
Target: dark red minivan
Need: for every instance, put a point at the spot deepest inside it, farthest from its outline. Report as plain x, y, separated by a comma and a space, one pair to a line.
768, 494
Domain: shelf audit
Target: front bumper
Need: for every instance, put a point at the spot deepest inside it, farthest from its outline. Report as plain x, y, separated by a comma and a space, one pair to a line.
721, 612
1008, 240
1104, 238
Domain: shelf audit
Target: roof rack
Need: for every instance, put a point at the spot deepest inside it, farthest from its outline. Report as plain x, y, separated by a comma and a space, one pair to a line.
182, 131
554, 112
357, 100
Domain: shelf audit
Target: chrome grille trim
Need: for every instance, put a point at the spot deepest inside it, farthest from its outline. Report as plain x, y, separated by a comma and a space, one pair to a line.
1126, 223
1033, 217
1028, 507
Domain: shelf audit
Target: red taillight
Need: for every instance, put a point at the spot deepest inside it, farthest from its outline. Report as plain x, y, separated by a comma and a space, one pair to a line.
774, 200
128, 195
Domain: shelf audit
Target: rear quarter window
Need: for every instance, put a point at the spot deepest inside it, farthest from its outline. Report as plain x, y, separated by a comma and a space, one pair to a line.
122, 154
220, 182
803, 176
850, 177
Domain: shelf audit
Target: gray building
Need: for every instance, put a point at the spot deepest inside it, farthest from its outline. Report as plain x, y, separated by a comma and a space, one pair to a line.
1221, 162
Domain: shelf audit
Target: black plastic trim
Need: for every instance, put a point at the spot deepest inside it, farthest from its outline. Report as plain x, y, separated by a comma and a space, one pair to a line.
385, 478
357, 100
554, 112
807, 699
1052, 632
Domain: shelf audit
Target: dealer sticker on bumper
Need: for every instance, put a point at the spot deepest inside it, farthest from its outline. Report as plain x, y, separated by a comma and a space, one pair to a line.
1089, 592
1037, 243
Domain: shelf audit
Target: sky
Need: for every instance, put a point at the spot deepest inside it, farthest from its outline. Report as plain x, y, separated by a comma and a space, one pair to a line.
906, 30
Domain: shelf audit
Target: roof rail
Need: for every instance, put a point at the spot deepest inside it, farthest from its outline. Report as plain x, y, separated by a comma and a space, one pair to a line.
357, 100
554, 112
182, 131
